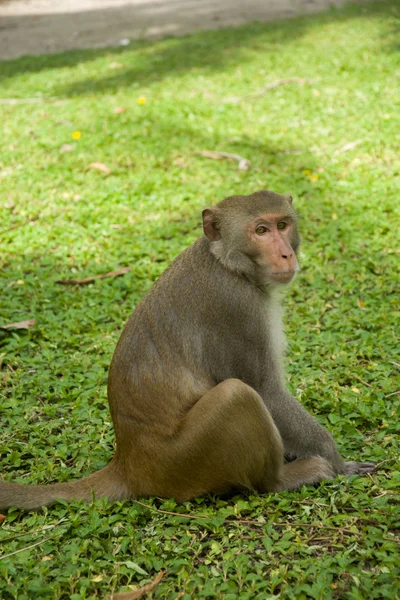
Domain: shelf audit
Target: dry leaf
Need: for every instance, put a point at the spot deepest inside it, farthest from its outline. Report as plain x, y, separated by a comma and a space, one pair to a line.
119, 109
20, 325
179, 161
66, 148
348, 146
244, 164
87, 280
99, 166
2, 518
139, 593
115, 65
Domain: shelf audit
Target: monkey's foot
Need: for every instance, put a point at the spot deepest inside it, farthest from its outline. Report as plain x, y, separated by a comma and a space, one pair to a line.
289, 457
358, 468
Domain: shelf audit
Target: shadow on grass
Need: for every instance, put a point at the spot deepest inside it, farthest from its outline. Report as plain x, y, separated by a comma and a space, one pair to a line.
172, 169
149, 61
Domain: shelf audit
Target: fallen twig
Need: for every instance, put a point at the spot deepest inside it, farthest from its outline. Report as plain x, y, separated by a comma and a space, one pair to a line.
26, 548
320, 526
40, 530
277, 83
21, 100
270, 86
396, 364
168, 512
386, 493
139, 593
244, 164
378, 465
14, 101
199, 517
17, 225
86, 280
20, 325
364, 382
392, 394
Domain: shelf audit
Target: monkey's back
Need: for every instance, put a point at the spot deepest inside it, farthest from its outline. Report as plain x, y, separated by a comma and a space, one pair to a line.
184, 337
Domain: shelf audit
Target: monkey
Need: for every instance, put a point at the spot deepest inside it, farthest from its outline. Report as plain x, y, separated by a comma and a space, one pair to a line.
196, 385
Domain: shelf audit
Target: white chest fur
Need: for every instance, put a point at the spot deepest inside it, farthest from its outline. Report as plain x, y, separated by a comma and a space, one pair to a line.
274, 315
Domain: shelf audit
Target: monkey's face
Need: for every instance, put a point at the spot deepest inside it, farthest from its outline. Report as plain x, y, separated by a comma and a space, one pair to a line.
271, 238
255, 235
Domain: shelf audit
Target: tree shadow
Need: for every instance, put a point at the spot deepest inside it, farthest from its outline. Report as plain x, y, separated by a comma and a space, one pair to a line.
149, 61
212, 50
105, 26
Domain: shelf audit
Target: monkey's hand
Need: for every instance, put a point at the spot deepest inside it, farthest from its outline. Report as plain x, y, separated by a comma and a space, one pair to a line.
358, 468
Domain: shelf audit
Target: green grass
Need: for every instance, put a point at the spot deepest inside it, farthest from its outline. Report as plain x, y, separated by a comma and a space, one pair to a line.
59, 220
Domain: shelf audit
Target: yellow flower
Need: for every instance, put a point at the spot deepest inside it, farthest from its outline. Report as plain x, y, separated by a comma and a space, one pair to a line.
313, 177
307, 172
141, 100
76, 135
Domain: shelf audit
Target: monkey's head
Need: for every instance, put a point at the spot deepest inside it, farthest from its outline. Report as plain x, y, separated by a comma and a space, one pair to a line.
255, 235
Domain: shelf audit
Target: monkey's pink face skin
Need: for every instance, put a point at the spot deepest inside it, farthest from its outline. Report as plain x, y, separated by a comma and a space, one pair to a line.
270, 239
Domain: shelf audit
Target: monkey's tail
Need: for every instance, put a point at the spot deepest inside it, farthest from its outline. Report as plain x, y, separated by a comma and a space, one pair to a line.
106, 482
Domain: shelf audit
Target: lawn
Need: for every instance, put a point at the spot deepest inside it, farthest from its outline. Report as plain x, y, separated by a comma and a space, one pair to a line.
331, 138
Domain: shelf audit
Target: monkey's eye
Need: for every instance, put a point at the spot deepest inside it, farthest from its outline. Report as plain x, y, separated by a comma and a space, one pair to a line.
261, 229
281, 225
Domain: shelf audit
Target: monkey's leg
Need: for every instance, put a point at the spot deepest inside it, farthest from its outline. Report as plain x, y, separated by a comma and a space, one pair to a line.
228, 440
304, 437
304, 471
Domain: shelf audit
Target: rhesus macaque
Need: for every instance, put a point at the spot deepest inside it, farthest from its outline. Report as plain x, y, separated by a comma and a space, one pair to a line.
196, 386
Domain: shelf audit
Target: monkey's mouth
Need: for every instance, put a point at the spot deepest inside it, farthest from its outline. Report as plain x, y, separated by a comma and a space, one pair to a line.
283, 276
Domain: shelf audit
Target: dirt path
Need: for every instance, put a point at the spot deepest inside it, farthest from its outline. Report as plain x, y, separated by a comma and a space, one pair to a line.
47, 26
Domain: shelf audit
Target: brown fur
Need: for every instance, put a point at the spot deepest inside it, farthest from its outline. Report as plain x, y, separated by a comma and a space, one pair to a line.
195, 387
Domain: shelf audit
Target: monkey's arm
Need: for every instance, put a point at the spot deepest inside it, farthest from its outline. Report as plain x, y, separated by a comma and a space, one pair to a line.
301, 433
303, 436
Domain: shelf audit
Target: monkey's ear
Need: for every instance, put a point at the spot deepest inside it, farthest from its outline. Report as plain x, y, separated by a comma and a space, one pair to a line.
289, 198
210, 225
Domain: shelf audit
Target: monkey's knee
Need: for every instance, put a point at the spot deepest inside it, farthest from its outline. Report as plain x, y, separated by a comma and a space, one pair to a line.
235, 389
229, 440
244, 409
238, 395
258, 447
